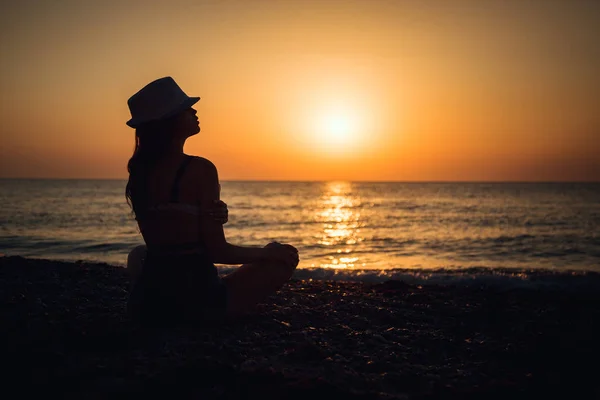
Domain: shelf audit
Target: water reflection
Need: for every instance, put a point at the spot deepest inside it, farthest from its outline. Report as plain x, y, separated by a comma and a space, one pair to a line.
340, 217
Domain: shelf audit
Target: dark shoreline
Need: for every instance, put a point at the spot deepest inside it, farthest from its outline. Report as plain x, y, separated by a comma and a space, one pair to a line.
65, 333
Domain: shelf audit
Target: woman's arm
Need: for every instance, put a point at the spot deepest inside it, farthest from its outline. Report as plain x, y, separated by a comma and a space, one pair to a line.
219, 212
211, 230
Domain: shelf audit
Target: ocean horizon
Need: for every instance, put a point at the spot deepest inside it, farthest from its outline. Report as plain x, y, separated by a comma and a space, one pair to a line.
366, 231
476, 182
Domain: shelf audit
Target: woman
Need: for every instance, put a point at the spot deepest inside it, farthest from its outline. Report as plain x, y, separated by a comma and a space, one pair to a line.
175, 199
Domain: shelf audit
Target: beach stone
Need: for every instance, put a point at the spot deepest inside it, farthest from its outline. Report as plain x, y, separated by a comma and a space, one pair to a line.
66, 322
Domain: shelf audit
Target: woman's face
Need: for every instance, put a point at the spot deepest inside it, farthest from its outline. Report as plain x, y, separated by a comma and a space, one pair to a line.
187, 122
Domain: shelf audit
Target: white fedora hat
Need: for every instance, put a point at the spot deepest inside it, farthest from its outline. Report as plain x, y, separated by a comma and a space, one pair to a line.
159, 99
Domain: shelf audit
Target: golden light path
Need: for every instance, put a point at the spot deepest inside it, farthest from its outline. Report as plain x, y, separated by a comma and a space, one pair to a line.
341, 225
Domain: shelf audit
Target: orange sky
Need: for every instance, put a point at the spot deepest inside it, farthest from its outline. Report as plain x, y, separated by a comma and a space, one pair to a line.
310, 90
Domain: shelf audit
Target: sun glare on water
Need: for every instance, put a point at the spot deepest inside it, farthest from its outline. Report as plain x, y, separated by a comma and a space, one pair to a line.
341, 225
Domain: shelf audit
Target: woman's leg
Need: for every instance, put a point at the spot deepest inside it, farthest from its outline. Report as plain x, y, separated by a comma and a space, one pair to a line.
135, 262
252, 283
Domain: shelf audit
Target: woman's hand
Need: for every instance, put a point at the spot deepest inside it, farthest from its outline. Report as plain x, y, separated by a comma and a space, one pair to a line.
285, 253
219, 212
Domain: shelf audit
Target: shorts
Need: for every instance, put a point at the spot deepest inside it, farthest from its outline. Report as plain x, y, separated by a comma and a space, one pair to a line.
177, 289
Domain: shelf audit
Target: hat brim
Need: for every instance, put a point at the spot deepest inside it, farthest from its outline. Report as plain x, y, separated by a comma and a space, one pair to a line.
187, 103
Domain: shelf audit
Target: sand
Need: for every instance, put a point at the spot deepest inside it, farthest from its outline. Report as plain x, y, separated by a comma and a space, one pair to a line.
65, 333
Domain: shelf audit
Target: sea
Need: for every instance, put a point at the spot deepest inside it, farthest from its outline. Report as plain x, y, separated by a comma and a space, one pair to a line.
463, 233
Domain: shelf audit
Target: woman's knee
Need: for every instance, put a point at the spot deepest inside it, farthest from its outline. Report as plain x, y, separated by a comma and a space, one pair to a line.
286, 268
292, 267
136, 256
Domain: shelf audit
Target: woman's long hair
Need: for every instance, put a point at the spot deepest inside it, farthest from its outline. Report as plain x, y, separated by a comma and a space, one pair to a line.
151, 143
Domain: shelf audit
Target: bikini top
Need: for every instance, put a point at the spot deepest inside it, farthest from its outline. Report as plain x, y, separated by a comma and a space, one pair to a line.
174, 204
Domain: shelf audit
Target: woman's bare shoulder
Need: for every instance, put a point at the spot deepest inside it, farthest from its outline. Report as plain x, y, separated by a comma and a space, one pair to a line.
203, 166
203, 178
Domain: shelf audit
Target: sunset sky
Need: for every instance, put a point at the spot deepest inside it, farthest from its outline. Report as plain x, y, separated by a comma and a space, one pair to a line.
310, 90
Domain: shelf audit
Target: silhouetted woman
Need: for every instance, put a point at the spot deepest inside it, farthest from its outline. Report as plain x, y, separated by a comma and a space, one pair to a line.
175, 199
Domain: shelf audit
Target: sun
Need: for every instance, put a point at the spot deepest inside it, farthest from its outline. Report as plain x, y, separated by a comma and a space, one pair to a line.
338, 127
337, 131
335, 125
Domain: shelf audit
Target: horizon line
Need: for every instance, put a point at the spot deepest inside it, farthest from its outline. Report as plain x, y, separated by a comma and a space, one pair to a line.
323, 180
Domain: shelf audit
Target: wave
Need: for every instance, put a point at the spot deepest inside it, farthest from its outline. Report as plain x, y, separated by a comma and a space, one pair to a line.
477, 277
102, 247
507, 239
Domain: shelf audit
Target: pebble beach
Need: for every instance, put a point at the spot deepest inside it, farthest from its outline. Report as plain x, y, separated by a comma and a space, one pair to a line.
65, 333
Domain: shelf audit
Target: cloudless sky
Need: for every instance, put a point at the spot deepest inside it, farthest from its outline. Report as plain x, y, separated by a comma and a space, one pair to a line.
310, 90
